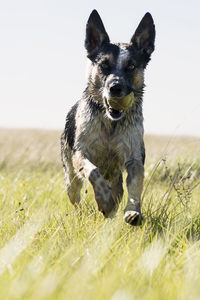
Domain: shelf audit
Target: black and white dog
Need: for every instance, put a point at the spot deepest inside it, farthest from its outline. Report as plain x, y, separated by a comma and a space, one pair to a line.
99, 142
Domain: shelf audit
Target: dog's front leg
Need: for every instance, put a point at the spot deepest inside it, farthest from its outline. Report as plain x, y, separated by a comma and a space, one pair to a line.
102, 191
132, 212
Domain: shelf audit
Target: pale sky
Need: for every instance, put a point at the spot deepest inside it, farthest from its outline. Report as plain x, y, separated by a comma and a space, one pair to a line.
43, 60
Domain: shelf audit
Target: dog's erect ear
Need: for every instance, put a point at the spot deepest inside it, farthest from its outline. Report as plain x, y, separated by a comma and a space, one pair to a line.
96, 34
144, 36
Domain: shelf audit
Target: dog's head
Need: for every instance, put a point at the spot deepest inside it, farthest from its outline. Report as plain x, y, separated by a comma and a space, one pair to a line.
116, 70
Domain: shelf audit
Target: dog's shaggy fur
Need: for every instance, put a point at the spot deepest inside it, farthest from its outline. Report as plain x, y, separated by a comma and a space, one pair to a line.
99, 142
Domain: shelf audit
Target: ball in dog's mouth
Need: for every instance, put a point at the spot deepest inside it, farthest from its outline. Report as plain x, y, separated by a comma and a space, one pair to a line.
122, 103
115, 114
116, 106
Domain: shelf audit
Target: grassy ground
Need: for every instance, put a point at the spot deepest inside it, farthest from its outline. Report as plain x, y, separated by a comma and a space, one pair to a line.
48, 250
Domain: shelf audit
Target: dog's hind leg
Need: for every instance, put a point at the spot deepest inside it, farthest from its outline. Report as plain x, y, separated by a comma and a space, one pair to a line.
117, 188
132, 212
73, 183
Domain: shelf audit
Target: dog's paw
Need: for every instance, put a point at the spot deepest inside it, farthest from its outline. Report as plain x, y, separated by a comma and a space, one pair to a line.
106, 204
133, 217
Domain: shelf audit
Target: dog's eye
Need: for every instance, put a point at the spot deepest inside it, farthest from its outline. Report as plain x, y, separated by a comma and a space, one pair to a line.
131, 67
105, 66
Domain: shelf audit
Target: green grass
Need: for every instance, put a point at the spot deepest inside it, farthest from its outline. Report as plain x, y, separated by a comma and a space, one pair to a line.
49, 250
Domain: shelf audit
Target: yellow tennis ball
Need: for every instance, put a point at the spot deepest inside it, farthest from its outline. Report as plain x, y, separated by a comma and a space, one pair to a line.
122, 103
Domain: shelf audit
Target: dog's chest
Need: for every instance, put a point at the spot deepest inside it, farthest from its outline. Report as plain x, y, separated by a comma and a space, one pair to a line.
107, 156
107, 148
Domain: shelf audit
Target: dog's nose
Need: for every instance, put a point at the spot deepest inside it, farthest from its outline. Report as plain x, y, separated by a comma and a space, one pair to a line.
115, 90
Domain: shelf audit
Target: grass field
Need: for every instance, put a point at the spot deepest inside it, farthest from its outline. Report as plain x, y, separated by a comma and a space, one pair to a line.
49, 250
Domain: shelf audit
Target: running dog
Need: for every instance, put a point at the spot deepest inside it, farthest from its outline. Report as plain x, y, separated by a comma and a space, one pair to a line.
103, 135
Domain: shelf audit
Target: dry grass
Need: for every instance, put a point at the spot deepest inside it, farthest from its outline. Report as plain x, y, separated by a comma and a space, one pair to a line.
171, 147
29, 148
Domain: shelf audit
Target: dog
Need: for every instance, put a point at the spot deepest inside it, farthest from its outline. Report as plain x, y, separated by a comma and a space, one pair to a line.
99, 141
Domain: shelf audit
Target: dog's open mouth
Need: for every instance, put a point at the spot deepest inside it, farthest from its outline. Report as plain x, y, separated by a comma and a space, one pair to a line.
115, 114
